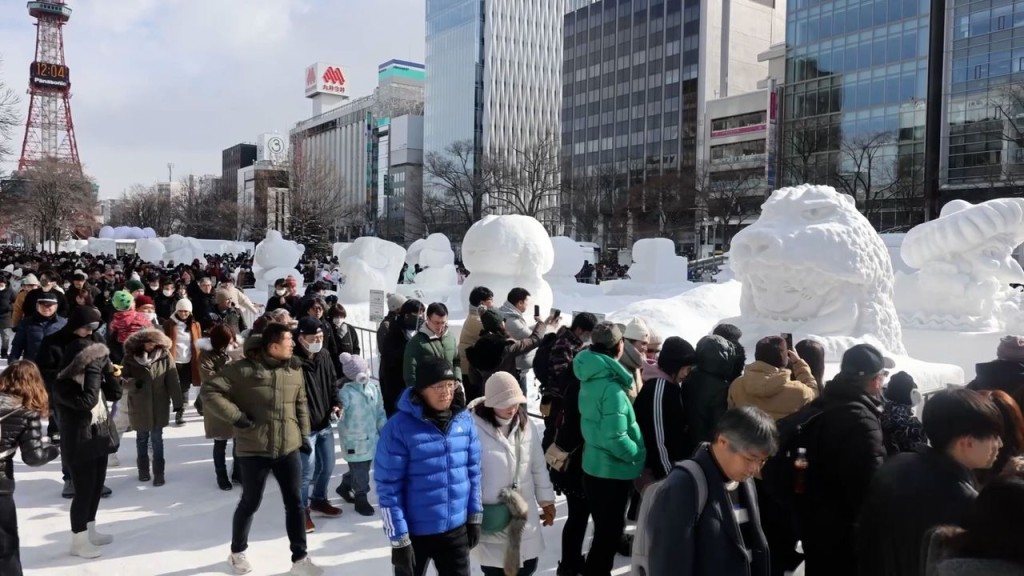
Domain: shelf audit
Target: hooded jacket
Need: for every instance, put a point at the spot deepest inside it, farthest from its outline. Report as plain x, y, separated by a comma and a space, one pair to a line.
517, 328
321, 386
20, 430
84, 384
1005, 375
777, 391
428, 479
613, 448
151, 386
706, 389
31, 331
361, 421
210, 363
425, 343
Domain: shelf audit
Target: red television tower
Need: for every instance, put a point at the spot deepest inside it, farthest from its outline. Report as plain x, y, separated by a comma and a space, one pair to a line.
49, 130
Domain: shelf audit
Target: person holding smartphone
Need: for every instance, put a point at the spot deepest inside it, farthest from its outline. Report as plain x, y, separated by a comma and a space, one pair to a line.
518, 328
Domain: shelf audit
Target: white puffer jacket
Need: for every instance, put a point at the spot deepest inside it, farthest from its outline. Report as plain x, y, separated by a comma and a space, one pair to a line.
497, 458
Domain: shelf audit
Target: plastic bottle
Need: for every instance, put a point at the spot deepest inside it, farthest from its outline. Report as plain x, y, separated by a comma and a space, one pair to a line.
800, 471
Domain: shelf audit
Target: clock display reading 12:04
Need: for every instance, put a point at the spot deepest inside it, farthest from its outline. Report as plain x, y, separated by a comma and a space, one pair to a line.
47, 74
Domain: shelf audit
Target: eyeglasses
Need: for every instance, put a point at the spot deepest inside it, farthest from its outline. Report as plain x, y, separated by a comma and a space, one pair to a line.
443, 387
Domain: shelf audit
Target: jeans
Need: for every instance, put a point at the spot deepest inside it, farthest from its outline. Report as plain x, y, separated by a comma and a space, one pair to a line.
608, 499
574, 532
529, 567
358, 477
5, 340
10, 544
142, 441
287, 471
318, 466
88, 477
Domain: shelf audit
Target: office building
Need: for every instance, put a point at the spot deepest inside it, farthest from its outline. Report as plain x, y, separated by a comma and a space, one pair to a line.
263, 200
234, 159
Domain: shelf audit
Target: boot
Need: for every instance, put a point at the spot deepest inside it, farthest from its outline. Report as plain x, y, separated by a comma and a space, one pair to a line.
81, 547
363, 506
69, 490
143, 464
324, 507
310, 527
345, 491
158, 472
98, 538
223, 482
179, 418
106, 492
626, 545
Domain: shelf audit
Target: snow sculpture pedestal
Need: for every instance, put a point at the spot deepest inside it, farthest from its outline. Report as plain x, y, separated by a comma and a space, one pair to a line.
274, 258
505, 252
369, 264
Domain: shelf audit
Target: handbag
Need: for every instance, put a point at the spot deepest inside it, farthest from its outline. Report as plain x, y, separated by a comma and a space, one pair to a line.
557, 458
498, 516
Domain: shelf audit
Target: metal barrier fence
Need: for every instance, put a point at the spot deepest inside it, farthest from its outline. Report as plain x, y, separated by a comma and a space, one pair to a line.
368, 347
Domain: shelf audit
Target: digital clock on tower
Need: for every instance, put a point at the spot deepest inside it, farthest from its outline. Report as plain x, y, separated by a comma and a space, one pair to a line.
47, 74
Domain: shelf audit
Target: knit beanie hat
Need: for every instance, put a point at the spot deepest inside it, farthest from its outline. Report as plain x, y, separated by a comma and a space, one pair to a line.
354, 368
675, 354
81, 316
902, 390
183, 304
1011, 348
637, 330
395, 302
502, 391
772, 350
134, 285
655, 343
122, 300
143, 300
431, 370
491, 320
221, 336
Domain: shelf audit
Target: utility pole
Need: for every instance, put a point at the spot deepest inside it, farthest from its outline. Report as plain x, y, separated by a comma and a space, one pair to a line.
170, 172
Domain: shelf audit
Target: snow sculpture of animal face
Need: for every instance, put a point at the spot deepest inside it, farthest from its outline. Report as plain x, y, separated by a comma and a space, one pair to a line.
275, 257
505, 252
369, 264
438, 262
812, 264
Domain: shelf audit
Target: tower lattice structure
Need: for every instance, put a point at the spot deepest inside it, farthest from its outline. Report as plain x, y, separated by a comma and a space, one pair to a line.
49, 129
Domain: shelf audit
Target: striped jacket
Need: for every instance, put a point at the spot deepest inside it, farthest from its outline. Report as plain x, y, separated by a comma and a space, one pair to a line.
662, 421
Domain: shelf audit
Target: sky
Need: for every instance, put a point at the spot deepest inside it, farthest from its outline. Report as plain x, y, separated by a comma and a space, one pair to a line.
177, 81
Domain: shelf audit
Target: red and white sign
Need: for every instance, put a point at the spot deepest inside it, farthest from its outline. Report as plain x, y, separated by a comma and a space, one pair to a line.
325, 79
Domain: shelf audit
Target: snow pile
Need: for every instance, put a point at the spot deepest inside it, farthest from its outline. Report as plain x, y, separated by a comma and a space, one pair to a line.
275, 258
505, 252
412, 256
179, 249
568, 262
150, 250
437, 259
126, 233
690, 315
369, 264
338, 248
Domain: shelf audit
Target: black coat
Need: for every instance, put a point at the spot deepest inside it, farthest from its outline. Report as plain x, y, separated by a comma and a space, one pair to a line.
706, 390
662, 422
29, 307
20, 429
392, 357
845, 449
685, 544
321, 386
1005, 375
7, 296
165, 304
568, 437
85, 380
72, 293
204, 310
911, 494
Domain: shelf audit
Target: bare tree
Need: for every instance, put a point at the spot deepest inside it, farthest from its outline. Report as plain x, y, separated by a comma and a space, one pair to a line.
802, 143
461, 184
732, 193
190, 208
318, 205
867, 171
58, 198
10, 121
528, 180
143, 207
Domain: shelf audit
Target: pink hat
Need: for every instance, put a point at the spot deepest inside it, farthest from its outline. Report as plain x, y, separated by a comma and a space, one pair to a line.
502, 391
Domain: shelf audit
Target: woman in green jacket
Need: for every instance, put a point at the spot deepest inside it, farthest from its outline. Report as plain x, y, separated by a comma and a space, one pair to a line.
613, 453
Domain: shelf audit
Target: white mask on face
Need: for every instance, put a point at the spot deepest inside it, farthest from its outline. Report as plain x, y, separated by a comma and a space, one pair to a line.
315, 347
280, 292
337, 322
151, 316
154, 286
168, 293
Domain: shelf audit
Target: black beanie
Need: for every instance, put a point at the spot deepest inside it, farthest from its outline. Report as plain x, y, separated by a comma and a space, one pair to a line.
772, 350
431, 370
675, 354
81, 316
899, 389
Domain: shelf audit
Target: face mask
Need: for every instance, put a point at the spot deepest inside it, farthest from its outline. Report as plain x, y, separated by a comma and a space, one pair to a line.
3, 287
154, 286
411, 323
338, 322
168, 293
280, 291
315, 347
66, 285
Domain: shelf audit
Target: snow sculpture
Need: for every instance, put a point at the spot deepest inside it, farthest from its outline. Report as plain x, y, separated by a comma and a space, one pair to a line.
412, 256
568, 262
150, 250
813, 265
148, 233
655, 262
107, 232
438, 262
338, 248
180, 249
275, 258
963, 266
505, 252
369, 264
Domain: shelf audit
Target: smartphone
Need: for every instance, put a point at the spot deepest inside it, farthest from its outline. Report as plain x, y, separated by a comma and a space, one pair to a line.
536, 311
556, 313
789, 339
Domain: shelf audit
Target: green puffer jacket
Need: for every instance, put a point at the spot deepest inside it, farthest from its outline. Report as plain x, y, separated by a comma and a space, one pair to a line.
271, 393
424, 343
613, 446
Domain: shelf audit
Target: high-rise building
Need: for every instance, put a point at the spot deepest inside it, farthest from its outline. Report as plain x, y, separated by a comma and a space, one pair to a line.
234, 159
636, 75
855, 102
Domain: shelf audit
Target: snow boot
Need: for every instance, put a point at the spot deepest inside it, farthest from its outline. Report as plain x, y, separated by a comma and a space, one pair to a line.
81, 547
626, 545
106, 492
239, 563
179, 418
345, 491
158, 472
98, 538
143, 464
305, 567
223, 482
363, 507
69, 490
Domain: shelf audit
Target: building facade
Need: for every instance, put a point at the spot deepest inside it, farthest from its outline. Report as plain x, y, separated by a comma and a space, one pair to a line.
234, 159
397, 178
263, 201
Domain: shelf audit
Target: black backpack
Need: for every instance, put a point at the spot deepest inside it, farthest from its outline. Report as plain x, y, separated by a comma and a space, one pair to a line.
541, 361
777, 475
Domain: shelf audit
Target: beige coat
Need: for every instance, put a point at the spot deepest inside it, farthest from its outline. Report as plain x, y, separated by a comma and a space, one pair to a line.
468, 336
777, 391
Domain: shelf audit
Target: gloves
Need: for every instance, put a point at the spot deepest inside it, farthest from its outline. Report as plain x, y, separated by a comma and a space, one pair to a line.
547, 516
404, 560
243, 422
306, 448
473, 533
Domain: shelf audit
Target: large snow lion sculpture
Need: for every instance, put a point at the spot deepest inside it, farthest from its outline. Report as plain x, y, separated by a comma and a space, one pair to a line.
813, 265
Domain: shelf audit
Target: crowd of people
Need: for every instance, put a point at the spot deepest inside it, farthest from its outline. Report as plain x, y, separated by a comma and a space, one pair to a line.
726, 467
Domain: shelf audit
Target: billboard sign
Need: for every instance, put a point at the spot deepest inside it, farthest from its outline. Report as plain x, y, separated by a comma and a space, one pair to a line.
325, 79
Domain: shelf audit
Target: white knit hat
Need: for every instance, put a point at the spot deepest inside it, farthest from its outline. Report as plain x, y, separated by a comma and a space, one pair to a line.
502, 391
183, 304
637, 330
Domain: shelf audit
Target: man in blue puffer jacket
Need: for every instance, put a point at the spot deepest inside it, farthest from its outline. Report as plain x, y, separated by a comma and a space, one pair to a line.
427, 470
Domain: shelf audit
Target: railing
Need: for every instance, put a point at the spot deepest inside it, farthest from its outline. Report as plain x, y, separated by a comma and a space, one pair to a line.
368, 347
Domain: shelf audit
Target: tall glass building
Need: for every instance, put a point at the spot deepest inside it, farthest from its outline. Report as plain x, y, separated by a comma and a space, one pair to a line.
854, 102
454, 89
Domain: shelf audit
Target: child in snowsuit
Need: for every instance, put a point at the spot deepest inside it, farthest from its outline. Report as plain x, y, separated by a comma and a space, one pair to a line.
362, 417
901, 429
125, 323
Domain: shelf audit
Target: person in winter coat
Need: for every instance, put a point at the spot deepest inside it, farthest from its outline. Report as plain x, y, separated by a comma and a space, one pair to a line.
167, 298
427, 471
282, 297
725, 538
204, 304
226, 312
660, 414
636, 336
32, 329
395, 302
514, 475
151, 386
227, 284
515, 310
770, 385
23, 401
342, 334
84, 385
844, 451
81, 289
917, 491
706, 390
901, 429
988, 544
733, 334
263, 396
28, 284
481, 296
496, 351
1012, 436
125, 322
214, 354
567, 436
49, 285
392, 354
433, 339
614, 453
6, 308
1006, 372
324, 409
362, 418
184, 333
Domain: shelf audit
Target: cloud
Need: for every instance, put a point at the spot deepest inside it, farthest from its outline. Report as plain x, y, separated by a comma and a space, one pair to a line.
158, 81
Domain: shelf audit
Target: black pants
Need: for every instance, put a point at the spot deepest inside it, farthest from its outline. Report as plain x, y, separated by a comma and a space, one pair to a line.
53, 426
10, 544
287, 471
574, 531
608, 499
449, 551
185, 380
220, 465
529, 567
88, 477
779, 531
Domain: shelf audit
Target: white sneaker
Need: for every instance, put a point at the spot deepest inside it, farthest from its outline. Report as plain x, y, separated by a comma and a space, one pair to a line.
239, 564
98, 538
113, 461
305, 567
81, 547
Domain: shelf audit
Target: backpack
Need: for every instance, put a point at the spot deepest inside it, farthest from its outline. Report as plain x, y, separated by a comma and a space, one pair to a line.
541, 361
777, 474
641, 545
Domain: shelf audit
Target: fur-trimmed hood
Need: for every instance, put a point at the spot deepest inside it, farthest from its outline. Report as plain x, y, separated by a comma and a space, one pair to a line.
75, 370
133, 345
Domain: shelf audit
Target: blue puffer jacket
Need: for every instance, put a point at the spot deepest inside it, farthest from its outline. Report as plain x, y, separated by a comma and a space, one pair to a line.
428, 481
30, 334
